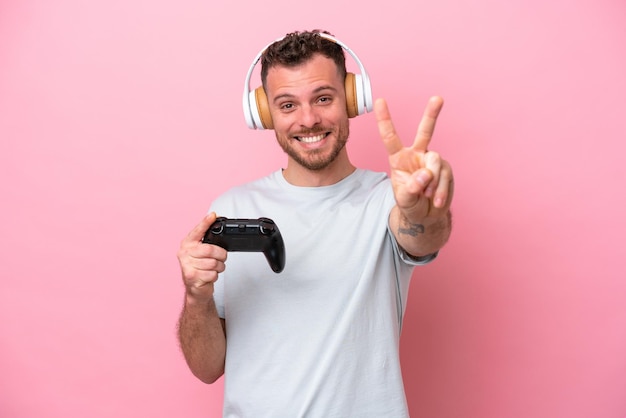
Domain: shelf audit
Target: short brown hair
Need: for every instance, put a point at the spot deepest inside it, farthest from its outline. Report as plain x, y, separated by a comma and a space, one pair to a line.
298, 47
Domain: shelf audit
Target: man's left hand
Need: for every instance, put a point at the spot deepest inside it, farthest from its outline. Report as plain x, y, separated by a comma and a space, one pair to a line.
422, 181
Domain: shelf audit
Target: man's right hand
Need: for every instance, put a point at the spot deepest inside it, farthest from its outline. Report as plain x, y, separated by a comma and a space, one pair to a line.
200, 263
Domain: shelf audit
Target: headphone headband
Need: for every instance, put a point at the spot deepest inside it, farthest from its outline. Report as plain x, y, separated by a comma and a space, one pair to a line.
255, 102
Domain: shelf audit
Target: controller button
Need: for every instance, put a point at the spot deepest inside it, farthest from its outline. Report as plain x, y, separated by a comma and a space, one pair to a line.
266, 228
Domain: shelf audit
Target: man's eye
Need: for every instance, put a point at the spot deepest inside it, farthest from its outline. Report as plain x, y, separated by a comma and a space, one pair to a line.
287, 106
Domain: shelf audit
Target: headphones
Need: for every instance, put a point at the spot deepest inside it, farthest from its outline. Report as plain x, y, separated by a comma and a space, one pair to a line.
358, 92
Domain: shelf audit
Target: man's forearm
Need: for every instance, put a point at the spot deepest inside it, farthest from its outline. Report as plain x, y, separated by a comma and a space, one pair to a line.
423, 237
202, 339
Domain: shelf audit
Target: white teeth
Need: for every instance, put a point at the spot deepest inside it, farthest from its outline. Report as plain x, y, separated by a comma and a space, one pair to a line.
311, 139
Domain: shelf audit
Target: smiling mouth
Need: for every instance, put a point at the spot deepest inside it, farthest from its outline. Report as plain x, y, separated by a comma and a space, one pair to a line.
312, 138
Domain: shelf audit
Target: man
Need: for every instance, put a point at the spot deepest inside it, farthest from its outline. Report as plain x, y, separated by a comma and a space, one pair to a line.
320, 339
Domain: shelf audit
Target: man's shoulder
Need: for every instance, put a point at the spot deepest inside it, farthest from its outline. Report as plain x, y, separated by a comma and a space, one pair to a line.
373, 176
266, 182
373, 180
263, 186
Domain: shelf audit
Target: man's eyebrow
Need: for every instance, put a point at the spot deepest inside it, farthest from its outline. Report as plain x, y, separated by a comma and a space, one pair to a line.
322, 88
316, 91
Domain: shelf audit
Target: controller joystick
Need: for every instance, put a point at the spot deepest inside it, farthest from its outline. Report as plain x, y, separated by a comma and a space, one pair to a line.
249, 235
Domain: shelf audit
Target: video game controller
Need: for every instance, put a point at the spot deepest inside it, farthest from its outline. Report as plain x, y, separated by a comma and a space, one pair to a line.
249, 235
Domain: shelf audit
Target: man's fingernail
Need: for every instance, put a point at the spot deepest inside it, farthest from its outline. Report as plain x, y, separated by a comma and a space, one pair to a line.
422, 178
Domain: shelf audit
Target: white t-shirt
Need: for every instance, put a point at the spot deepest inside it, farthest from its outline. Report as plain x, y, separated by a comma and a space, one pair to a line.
321, 338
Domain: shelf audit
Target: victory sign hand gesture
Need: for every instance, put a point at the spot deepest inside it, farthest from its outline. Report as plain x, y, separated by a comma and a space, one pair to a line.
422, 181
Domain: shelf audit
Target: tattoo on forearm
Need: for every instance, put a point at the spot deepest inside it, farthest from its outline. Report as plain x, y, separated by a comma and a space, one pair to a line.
411, 229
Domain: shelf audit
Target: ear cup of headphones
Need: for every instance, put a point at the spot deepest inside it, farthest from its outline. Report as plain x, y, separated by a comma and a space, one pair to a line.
263, 108
258, 115
352, 95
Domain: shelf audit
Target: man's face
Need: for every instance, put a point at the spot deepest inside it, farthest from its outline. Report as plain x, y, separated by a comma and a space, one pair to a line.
308, 108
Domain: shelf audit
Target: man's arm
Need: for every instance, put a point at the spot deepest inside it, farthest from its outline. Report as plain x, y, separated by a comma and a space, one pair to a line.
420, 238
202, 338
201, 332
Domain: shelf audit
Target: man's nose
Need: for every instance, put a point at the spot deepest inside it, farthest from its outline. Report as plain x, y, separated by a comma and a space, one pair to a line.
309, 116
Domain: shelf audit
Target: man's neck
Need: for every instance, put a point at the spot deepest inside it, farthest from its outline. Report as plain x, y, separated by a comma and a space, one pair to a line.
298, 175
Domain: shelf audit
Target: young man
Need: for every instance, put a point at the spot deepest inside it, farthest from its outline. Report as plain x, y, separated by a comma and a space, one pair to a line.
320, 339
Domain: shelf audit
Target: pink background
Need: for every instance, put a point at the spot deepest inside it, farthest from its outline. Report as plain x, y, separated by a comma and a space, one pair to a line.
121, 120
